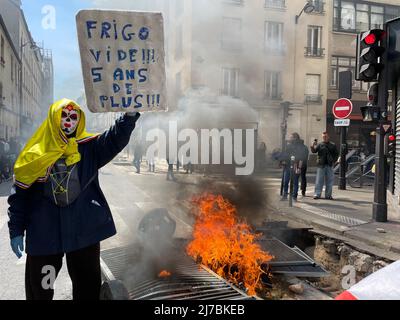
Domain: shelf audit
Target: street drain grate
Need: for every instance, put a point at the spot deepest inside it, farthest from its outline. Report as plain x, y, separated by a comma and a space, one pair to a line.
332, 216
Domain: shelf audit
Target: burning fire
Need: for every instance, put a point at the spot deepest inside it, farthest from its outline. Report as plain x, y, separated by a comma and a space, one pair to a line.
226, 244
164, 274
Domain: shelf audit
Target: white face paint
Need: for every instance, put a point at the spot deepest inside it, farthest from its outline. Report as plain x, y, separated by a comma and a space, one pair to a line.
69, 120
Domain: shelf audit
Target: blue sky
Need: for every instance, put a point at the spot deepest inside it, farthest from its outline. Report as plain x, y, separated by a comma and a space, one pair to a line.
62, 41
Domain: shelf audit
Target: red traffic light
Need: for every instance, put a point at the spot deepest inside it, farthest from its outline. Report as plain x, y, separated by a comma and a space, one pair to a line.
392, 138
370, 39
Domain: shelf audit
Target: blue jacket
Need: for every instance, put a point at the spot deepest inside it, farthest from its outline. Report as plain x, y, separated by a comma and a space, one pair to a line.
53, 230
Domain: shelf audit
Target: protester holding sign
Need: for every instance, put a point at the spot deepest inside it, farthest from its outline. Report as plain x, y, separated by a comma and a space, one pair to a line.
57, 201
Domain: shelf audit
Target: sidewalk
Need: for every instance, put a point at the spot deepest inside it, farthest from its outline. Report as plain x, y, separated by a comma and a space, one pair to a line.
348, 218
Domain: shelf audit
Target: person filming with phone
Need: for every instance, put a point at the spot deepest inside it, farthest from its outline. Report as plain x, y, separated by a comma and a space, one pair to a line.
328, 155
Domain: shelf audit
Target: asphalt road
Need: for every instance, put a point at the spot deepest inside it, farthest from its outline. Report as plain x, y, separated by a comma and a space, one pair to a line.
130, 197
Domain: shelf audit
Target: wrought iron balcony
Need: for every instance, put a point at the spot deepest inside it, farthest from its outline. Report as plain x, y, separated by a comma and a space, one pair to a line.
313, 98
314, 52
280, 4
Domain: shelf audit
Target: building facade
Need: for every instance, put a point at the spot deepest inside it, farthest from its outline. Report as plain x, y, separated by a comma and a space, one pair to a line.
9, 86
34, 74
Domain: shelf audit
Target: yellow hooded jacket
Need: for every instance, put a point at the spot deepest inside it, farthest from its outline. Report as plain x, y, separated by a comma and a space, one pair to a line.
48, 144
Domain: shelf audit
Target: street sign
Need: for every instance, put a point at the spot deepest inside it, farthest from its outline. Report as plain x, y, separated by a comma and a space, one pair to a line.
342, 122
387, 127
342, 108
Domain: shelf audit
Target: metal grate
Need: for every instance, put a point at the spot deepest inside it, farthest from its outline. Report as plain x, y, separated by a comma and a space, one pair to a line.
187, 281
332, 216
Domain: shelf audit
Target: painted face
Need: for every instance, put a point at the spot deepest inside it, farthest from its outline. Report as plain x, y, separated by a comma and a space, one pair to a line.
69, 120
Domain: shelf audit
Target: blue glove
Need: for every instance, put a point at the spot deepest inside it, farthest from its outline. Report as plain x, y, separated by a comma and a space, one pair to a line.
17, 245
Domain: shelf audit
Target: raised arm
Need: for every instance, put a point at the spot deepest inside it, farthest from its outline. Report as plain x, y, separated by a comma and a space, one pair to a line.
114, 140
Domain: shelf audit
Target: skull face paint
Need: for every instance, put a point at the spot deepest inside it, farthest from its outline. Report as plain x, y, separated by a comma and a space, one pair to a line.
69, 120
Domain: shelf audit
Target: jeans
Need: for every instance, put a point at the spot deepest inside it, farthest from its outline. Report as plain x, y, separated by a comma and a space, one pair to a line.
286, 181
324, 175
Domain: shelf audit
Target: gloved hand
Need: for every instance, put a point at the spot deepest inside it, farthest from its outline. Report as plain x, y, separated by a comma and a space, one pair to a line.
17, 246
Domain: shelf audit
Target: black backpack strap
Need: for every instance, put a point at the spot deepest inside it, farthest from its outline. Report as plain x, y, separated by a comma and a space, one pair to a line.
89, 182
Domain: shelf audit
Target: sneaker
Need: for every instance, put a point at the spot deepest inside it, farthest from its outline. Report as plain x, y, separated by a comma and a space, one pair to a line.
329, 198
295, 199
284, 198
303, 194
317, 197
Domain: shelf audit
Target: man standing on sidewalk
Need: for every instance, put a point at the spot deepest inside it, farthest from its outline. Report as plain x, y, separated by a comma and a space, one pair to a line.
303, 168
328, 155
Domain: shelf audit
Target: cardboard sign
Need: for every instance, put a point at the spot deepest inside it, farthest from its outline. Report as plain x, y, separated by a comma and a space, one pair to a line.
123, 60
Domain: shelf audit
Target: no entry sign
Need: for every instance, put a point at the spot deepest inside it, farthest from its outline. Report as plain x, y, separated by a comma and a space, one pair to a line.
342, 108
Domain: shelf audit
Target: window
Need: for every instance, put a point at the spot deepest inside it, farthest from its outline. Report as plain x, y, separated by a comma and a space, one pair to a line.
339, 64
230, 82
312, 88
281, 4
319, 6
231, 33
2, 62
273, 36
273, 85
314, 41
359, 16
179, 42
12, 68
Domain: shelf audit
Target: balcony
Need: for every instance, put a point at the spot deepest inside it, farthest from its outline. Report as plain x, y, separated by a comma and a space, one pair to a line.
273, 97
234, 2
313, 98
314, 52
275, 4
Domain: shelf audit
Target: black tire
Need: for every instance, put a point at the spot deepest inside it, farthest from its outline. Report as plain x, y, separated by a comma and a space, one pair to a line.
113, 290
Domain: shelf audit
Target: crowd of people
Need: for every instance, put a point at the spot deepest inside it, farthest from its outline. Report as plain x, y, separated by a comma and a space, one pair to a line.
9, 150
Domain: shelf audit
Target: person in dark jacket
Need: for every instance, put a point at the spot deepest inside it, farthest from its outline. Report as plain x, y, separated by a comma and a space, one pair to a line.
57, 202
328, 155
294, 149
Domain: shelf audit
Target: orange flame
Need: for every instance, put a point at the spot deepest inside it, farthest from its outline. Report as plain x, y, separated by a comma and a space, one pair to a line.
226, 244
164, 274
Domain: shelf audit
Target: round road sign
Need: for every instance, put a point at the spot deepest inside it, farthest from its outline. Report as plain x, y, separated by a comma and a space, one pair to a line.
342, 108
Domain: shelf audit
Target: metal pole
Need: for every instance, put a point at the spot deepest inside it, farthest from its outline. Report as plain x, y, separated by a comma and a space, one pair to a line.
379, 208
292, 159
343, 153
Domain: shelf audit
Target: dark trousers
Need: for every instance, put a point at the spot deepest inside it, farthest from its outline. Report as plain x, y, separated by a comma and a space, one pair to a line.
303, 176
286, 182
83, 268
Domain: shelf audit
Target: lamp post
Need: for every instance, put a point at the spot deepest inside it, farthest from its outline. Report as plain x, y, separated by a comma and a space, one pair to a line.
308, 8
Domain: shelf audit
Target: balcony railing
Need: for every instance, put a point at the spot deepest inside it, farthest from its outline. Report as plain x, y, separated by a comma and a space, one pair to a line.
273, 96
314, 52
313, 98
279, 4
235, 2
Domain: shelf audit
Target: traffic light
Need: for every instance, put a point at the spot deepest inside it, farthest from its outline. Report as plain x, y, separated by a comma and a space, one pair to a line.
369, 55
371, 112
391, 145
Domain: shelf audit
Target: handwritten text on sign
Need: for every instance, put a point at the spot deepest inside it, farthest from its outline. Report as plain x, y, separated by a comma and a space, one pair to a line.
123, 60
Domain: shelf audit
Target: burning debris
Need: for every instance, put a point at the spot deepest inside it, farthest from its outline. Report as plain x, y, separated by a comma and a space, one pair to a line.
164, 274
226, 244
